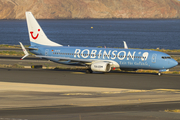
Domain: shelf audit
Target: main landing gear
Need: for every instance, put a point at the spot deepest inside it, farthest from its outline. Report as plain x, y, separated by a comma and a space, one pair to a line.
89, 71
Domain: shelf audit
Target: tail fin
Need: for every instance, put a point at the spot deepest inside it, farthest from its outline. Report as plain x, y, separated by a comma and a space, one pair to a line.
36, 34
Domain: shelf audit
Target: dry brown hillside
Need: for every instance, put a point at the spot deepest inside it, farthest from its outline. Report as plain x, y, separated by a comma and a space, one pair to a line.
70, 9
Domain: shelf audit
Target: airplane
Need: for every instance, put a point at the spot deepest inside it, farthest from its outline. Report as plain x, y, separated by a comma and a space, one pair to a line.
96, 59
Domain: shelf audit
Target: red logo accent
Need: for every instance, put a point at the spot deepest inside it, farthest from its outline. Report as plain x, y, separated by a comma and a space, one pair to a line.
35, 36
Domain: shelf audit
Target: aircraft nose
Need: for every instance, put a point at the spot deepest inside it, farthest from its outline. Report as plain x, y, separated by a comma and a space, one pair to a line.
174, 63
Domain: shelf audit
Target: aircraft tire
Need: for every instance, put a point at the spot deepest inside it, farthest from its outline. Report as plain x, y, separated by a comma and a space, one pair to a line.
159, 74
89, 71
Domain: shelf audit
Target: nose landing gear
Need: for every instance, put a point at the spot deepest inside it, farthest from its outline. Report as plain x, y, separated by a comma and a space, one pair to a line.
159, 73
163, 70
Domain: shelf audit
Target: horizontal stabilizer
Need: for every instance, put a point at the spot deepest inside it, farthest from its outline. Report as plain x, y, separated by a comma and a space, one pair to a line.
24, 50
32, 48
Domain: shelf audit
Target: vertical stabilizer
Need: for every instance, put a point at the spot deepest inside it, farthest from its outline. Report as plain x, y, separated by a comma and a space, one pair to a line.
36, 34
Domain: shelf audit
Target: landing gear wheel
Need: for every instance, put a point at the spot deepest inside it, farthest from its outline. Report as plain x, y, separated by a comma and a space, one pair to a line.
89, 71
159, 74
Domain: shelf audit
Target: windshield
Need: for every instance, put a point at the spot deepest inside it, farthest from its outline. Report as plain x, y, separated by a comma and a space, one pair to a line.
166, 57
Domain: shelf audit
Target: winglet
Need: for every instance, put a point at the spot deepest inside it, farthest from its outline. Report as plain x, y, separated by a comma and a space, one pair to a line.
24, 50
125, 45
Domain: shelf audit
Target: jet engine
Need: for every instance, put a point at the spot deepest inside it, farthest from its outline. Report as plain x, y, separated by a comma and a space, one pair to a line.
101, 67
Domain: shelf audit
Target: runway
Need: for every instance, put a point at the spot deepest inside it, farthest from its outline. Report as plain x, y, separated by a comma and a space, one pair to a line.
145, 81
33, 94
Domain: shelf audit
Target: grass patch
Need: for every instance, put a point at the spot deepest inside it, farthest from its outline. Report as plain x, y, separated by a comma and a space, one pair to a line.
14, 53
177, 58
9, 46
12, 46
146, 71
11, 66
165, 50
176, 110
155, 71
175, 72
151, 71
69, 68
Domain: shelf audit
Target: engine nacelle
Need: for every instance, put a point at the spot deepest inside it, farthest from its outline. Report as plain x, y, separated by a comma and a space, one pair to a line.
101, 67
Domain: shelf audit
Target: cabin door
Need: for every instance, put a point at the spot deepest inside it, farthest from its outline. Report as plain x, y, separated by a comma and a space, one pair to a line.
46, 52
153, 60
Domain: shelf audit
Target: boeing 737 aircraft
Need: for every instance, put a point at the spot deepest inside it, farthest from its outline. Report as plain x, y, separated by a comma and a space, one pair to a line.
96, 59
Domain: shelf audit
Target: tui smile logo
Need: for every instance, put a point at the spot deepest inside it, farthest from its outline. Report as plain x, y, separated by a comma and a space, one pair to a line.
35, 36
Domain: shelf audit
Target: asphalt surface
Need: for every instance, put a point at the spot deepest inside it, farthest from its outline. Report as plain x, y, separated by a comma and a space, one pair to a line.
140, 111
117, 112
144, 81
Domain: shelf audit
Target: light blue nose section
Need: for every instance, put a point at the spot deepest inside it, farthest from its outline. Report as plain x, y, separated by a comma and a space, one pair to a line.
173, 63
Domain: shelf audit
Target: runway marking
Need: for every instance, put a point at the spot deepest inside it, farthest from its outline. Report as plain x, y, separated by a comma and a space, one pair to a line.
125, 91
11, 86
76, 94
12, 119
167, 90
176, 110
78, 73
20, 96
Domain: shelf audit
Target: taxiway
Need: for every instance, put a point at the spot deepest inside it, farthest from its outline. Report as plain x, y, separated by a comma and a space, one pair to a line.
33, 94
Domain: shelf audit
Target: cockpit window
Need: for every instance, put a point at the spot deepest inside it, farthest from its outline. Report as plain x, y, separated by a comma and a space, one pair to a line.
166, 57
